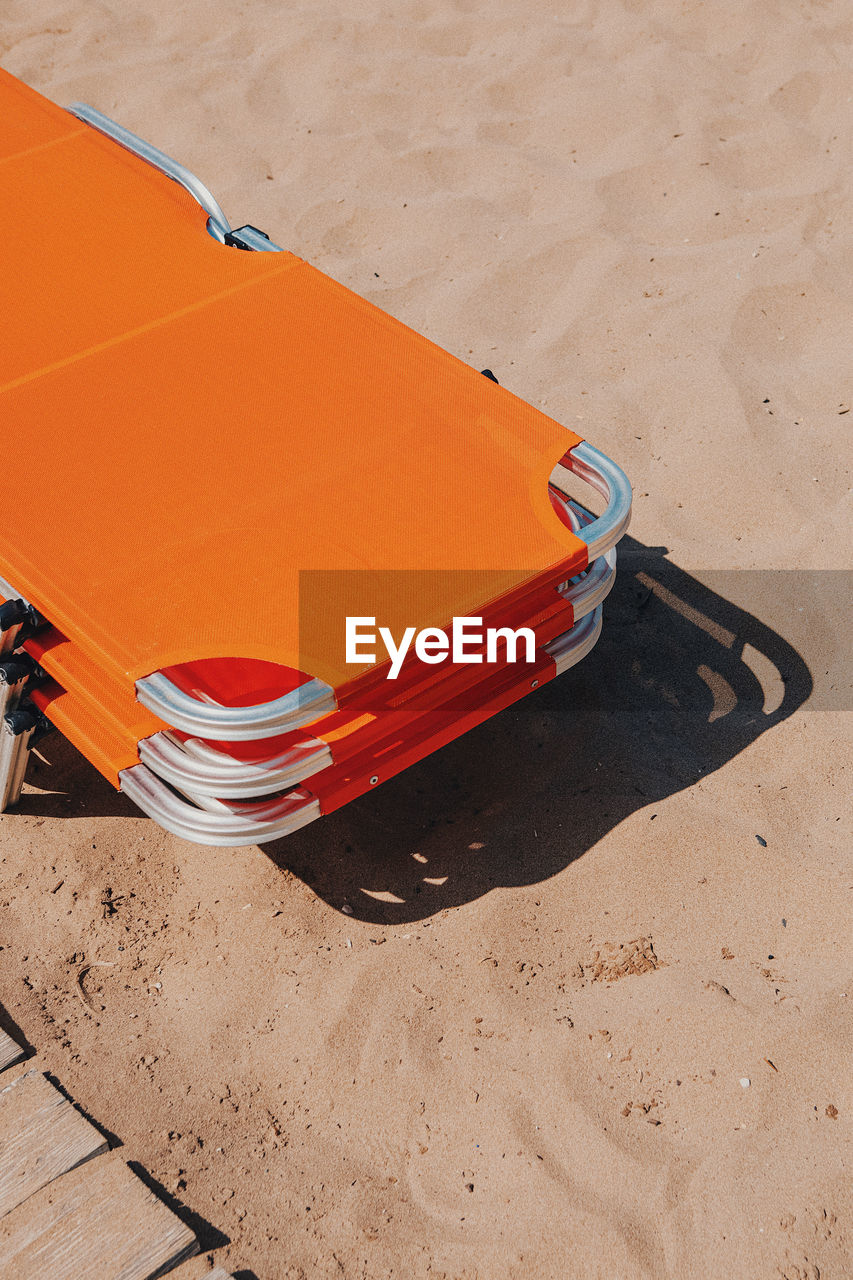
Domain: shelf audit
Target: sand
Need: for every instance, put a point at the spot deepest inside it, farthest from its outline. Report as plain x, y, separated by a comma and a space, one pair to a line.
573, 998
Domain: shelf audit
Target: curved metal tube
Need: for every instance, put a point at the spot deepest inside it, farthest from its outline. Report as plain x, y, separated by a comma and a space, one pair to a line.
217, 223
587, 592
243, 824
205, 771
210, 804
573, 645
231, 823
573, 512
182, 711
593, 466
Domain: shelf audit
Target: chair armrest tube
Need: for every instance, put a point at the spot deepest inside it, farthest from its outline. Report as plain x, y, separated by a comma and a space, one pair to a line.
218, 225
213, 773
593, 466
254, 824
568, 649
308, 702
587, 592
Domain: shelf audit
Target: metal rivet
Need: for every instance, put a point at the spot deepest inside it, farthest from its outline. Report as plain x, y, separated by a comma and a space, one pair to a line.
534, 684
374, 780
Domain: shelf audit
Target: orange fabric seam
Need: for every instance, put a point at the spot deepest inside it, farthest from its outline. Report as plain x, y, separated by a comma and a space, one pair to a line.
44, 146
291, 262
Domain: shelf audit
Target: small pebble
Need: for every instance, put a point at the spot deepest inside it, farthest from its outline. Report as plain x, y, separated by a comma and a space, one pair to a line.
347, 909
744, 1082
761, 841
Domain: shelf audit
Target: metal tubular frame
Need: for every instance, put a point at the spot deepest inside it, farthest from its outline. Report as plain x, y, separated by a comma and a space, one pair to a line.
209, 818
15, 673
308, 702
196, 767
594, 587
266, 820
573, 645
14, 754
217, 223
223, 807
603, 474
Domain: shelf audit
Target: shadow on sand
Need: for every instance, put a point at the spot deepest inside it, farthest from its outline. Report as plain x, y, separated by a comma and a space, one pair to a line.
681, 681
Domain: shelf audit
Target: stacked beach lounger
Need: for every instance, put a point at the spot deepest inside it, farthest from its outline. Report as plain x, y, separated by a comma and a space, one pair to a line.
234, 455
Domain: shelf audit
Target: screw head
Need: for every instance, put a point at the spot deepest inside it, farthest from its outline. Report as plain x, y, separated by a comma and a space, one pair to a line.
374, 780
534, 684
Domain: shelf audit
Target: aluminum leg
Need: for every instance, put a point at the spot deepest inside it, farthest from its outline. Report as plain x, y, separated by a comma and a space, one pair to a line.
16, 728
17, 736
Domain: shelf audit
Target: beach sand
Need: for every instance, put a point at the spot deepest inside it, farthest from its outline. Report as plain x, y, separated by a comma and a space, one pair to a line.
573, 998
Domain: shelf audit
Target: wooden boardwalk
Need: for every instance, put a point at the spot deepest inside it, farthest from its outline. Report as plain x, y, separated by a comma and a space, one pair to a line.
10, 1053
64, 1213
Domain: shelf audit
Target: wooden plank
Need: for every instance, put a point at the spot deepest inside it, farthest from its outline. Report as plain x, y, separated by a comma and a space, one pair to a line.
41, 1136
99, 1221
10, 1051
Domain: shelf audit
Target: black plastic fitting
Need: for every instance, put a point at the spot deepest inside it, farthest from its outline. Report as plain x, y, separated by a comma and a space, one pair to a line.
13, 613
234, 239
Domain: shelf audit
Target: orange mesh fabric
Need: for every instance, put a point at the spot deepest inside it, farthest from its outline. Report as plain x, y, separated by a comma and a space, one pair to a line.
207, 424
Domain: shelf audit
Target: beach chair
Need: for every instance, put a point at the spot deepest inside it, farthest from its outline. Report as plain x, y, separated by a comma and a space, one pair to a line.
235, 455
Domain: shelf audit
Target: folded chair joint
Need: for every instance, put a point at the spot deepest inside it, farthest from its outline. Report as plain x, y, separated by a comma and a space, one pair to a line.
27, 718
252, 239
16, 670
13, 615
18, 621
16, 673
